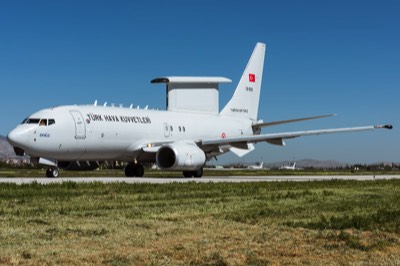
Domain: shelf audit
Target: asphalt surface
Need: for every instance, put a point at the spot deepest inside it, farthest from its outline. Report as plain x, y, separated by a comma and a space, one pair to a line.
216, 179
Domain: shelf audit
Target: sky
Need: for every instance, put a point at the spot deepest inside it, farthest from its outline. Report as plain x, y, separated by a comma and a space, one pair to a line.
322, 57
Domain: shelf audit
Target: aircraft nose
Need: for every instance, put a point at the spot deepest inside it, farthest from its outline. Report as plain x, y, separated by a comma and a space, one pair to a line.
17, 138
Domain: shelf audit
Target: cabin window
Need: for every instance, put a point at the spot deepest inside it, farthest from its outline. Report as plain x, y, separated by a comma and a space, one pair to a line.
180, 129
172, 129
183, 129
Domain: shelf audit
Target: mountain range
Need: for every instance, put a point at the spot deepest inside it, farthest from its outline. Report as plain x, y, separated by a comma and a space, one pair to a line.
6, 150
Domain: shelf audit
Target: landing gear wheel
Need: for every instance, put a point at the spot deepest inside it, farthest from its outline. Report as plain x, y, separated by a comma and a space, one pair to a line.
132, 170
198, 173
187, 174
129, 171
52, 172
139, 170
56, 172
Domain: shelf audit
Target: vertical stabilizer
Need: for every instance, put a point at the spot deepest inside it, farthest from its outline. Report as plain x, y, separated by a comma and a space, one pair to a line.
245, 100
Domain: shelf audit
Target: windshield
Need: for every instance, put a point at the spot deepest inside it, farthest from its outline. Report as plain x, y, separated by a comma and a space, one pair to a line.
33, 121
38, 121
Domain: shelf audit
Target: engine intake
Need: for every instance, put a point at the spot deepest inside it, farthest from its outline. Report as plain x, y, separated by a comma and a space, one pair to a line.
180, 156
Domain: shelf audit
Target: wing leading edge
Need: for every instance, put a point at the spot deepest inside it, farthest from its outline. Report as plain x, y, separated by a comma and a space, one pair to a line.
278, 138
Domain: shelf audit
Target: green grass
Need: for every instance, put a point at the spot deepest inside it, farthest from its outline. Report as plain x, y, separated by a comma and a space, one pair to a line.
333, 222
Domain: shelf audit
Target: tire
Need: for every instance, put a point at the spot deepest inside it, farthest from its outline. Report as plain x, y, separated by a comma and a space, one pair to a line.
139, 170
132, 170
129, 171
56, 172
198, 173
187, 174
50, 172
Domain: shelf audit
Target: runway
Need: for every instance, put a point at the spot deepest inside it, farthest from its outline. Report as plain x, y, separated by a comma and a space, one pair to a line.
214, 179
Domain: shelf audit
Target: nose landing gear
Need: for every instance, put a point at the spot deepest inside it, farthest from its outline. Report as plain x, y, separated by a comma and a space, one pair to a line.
52, 172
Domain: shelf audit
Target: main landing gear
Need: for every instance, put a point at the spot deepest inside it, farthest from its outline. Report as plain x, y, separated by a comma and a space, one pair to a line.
52, 172
133, 169
197, 173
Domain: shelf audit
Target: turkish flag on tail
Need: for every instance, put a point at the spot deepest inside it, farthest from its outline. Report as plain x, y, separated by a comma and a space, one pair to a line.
252, 78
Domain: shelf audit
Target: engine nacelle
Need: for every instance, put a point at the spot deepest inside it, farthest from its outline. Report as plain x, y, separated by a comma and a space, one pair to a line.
180, 156
81, 166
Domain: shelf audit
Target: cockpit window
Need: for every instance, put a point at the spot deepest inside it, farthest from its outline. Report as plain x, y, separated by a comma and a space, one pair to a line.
43, 122
32, 121
40, 122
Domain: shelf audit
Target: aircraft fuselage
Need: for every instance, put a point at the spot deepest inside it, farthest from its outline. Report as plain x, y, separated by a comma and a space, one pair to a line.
99, 133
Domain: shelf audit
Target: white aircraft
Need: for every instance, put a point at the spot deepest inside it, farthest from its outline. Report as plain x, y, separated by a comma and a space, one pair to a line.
256, 166
291, 166
191, 131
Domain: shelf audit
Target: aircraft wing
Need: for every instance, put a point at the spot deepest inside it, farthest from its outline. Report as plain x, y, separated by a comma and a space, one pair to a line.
243, 145
278, 138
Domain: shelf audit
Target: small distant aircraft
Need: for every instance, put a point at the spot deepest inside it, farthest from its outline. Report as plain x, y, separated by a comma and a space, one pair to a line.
256, 166
291, 166
191, 131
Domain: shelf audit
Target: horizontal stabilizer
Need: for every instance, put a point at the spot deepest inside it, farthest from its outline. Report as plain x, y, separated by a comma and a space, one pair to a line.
274, 123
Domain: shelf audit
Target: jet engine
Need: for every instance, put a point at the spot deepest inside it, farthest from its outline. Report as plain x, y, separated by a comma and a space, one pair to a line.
78, 166
180, 156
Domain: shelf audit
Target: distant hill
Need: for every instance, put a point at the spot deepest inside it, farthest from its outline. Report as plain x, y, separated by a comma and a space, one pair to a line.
6, 150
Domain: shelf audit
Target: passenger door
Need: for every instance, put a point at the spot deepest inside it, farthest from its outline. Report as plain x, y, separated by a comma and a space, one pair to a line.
80, 127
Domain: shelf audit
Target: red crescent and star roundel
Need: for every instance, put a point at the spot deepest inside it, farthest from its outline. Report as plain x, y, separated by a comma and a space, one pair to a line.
223, 135
252, 77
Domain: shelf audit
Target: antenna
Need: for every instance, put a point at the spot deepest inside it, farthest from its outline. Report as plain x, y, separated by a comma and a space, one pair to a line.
131, 106
105, 104
95, 103
146, 107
